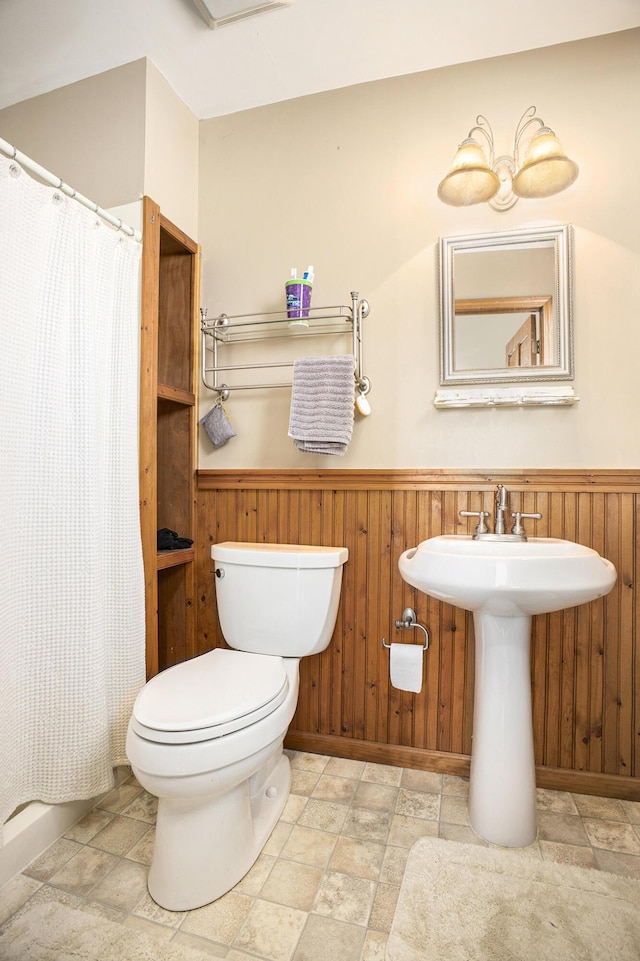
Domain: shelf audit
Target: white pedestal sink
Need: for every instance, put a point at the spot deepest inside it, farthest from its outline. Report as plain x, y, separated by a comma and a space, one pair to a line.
504, 583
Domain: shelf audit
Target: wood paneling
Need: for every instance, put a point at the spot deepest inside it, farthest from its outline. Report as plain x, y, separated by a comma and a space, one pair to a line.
175, 615
585, 661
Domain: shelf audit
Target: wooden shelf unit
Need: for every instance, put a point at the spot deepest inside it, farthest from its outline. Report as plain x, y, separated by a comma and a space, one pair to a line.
168, 433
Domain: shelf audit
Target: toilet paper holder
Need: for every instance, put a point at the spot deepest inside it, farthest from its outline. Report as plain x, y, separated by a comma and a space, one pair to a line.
409, 620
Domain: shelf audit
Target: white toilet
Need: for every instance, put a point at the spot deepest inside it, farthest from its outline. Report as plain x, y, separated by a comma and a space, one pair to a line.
205, 736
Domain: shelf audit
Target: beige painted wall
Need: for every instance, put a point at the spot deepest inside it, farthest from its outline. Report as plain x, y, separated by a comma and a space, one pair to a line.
346, 181
171, 153
90, 133
115, 137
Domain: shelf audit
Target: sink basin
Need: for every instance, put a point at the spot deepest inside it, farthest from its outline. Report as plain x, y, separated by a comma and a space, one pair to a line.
504, 583
535, 576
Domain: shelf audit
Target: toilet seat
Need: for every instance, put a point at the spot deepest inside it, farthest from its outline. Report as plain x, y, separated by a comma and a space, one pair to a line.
209, 696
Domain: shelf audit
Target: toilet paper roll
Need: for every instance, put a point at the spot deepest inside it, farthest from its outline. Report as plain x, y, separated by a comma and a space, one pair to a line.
405, 663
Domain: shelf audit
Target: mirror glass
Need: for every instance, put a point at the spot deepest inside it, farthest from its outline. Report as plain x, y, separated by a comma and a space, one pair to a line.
506, 307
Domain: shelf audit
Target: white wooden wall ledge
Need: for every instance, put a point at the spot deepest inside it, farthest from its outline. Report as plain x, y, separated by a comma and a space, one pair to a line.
518, 396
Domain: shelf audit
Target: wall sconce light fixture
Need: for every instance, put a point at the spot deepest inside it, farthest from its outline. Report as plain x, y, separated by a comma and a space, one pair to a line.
546, 169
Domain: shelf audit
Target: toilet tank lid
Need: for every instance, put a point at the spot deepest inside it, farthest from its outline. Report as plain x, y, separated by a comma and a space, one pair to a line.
278, 555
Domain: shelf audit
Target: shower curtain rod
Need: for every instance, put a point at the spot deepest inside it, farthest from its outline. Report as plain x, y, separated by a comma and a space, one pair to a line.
32, 167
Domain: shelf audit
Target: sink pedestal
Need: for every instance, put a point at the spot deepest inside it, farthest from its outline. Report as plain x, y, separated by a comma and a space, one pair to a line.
502, 785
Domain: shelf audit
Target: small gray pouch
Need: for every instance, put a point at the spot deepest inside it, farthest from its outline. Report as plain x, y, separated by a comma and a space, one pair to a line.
217, 426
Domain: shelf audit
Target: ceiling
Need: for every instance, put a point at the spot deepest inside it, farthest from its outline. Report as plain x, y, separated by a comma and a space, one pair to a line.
311, 46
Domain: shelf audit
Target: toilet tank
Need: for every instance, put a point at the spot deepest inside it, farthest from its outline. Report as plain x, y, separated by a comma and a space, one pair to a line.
277, 599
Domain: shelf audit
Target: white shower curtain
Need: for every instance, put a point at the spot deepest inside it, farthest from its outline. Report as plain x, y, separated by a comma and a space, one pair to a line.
71, 579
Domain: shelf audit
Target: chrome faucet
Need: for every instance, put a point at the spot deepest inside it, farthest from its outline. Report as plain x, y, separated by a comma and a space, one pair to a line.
499, 526
517, 532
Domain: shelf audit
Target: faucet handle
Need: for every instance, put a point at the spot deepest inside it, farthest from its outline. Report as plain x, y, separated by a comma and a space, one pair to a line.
518, 526
481, 527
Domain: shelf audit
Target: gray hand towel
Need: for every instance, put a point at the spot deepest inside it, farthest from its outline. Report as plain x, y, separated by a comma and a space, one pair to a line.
322, 395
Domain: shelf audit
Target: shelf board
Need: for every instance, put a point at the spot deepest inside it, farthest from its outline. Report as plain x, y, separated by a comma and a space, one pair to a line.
176, 394
174, 558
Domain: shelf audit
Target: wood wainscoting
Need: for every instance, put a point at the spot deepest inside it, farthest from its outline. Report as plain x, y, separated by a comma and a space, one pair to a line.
585, 661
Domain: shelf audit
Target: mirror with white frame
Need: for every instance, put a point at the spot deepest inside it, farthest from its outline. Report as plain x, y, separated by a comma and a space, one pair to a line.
506, 316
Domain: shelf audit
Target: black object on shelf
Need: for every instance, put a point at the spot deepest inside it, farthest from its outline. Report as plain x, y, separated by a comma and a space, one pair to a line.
170, 541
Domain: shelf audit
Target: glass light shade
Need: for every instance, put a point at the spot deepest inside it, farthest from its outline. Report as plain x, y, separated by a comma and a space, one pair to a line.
470, 180
546, 169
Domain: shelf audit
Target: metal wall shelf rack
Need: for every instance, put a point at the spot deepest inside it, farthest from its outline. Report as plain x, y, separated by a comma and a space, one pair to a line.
229, 329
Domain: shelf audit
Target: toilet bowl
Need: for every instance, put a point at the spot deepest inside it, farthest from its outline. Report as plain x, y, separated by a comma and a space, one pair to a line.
206, 736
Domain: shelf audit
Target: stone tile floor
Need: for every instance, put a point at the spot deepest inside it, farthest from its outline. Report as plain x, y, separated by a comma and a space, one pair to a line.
326, 884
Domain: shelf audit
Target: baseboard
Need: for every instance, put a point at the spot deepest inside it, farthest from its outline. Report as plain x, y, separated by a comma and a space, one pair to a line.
393, 754
555, 779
